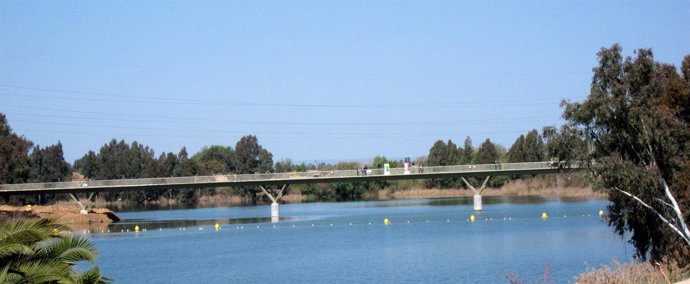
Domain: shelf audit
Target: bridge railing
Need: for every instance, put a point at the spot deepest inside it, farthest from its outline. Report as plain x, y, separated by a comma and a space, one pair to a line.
415, 170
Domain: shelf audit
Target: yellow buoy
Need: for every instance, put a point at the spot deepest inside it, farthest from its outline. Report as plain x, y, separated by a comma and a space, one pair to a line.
544, 216
601, 213
472, 218
217, 226
385, 221
136, 228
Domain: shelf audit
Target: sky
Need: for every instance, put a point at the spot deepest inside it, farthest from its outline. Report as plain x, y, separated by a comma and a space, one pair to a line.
313, 80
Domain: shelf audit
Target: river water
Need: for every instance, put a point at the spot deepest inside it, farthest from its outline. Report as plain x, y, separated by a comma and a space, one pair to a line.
427, 240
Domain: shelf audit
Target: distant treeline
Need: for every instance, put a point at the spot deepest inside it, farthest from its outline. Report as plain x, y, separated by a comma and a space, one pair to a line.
21, 162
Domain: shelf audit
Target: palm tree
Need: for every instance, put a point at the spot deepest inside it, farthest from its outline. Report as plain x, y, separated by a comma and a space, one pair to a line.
38, 251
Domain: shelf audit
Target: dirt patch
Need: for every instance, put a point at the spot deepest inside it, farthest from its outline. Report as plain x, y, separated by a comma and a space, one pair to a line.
97, 219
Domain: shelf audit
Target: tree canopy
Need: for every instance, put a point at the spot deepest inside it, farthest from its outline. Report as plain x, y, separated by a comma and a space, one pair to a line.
636, 116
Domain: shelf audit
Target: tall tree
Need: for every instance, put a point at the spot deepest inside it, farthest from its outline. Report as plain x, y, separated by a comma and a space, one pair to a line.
467, 156
517, 153
14, 154
48, 164
635, 119
444, 154
89, 165
185, 166
487, 153
251, 157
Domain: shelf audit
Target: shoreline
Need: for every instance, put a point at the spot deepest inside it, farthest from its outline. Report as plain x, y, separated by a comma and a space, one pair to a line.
98, 219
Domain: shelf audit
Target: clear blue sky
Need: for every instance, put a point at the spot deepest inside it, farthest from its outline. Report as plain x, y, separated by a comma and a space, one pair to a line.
314, 80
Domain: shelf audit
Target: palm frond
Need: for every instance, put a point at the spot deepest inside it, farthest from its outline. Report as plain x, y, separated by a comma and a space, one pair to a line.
70, 249
92, 276
43, 271
12, 250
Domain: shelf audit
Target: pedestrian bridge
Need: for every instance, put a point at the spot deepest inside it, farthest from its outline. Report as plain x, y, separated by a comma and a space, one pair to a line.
267, 181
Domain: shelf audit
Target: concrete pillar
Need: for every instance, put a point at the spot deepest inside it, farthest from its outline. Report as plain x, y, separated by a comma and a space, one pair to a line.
275, 212
477, 202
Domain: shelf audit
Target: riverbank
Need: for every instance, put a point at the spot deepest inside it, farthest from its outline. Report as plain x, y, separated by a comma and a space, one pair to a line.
98, 219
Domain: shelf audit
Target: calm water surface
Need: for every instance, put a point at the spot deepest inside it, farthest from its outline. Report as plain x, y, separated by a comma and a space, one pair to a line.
428, 240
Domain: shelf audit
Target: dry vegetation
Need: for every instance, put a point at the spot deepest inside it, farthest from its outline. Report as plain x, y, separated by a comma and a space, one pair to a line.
537, 186
645, 272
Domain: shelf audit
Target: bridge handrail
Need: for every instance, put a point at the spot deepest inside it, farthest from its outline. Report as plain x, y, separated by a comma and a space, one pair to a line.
230, 178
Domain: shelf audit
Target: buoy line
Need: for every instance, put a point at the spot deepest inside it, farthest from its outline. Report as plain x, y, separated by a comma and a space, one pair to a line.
416, 220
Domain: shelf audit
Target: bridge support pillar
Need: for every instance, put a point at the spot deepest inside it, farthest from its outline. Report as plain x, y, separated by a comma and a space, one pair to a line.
83, 206
275, 212
275, 207
477, 201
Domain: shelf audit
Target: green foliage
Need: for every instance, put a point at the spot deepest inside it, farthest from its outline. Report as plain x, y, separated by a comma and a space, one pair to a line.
38, 252
528, 148
352, 190
442, 154
251, 157
48, 164
215, 159
636, 118
285, 166
14, 155
467, 152
487, 153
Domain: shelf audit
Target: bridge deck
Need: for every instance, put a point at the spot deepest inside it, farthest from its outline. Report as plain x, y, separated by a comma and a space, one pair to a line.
506, 169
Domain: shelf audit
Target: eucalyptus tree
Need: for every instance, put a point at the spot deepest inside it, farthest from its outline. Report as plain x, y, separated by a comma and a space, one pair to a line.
636, 119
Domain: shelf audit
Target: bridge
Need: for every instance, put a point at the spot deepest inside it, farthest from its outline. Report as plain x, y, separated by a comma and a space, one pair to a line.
267, 181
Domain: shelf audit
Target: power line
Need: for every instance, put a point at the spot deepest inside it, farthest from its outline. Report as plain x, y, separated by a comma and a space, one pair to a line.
295, 73
157, 119
107, 97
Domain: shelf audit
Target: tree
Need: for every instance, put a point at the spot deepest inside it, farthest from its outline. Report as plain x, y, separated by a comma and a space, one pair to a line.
216, 159
14, 155
467, 156
285, 166
442, 154
185, 166
487, 153
251, 157
88, 165
635, 118
534, 147
528, 148
48, 165
517, 153
40, 252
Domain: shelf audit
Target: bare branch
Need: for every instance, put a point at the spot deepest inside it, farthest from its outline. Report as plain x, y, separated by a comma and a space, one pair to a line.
685, 237
676, 208
663, 202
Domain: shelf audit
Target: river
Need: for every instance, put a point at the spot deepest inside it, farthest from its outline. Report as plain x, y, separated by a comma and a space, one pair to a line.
427, 240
